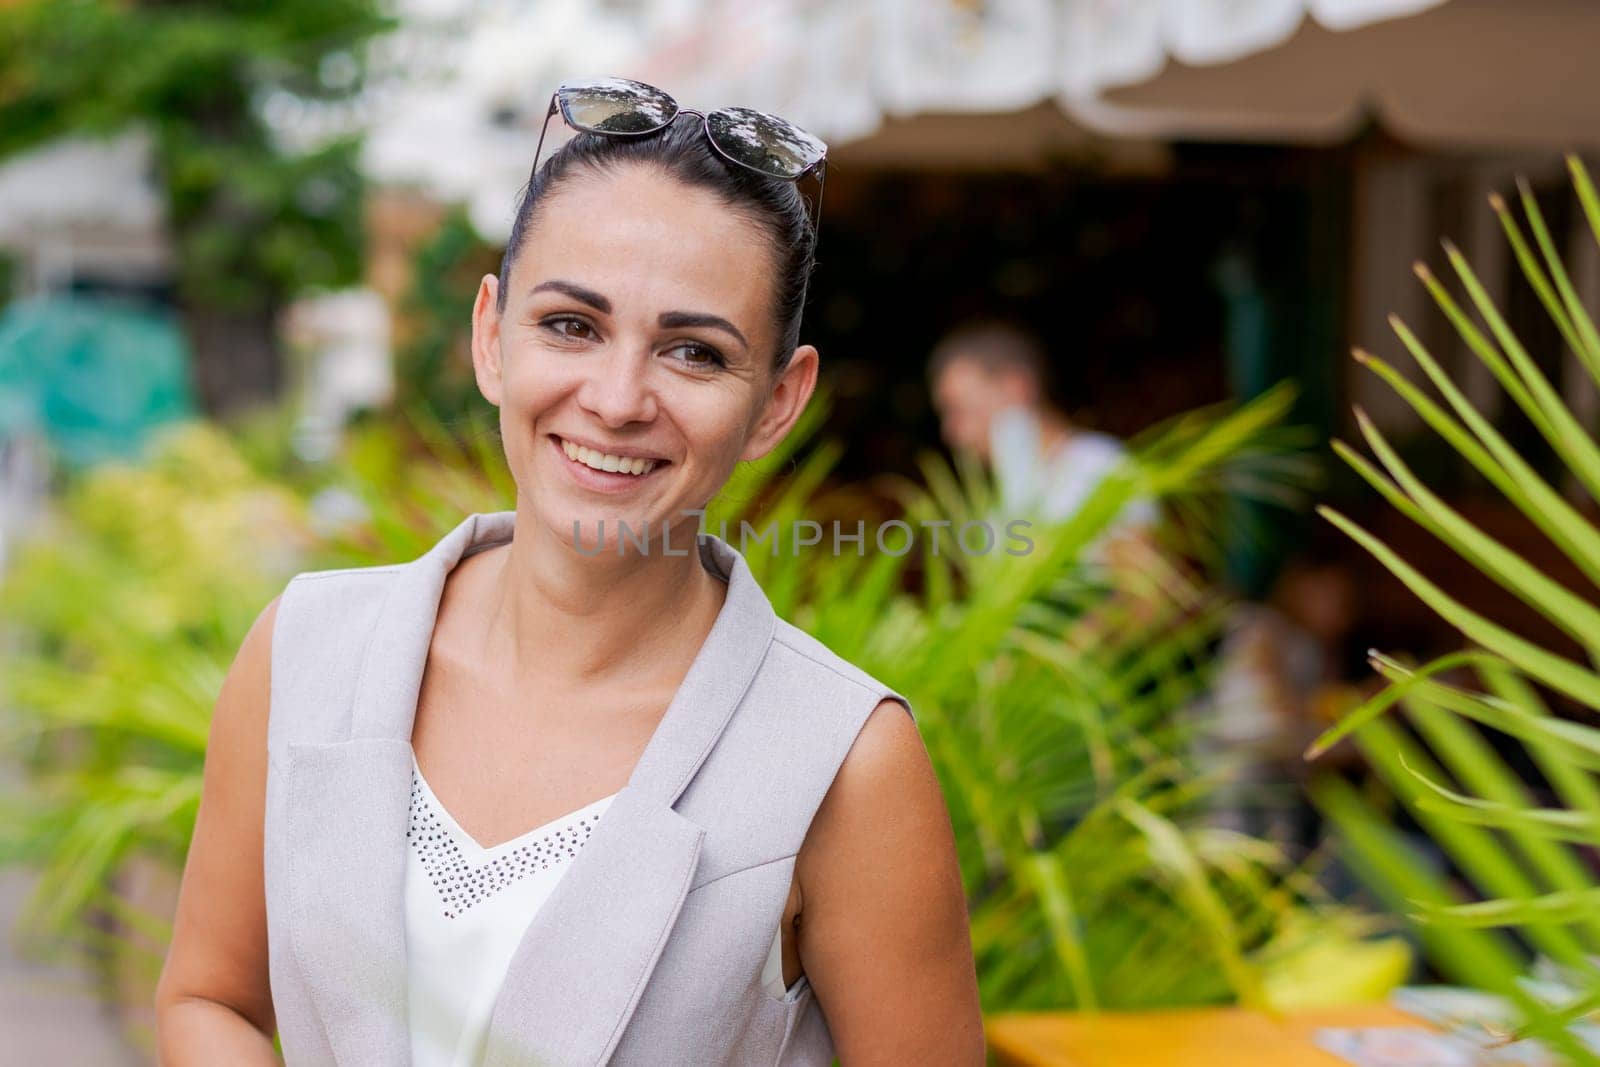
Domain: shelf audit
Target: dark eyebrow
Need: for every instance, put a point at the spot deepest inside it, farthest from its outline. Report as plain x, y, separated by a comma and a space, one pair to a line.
577, 292
675, 319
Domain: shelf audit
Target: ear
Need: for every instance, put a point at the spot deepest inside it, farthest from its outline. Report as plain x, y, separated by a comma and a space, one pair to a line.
486, 339
786, 400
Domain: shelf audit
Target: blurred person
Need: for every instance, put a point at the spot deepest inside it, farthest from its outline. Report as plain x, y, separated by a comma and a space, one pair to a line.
990, 383
740, 852
990, 379
1288, 669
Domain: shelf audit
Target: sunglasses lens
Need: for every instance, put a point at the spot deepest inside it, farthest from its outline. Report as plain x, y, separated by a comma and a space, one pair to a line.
764, 142
615, 105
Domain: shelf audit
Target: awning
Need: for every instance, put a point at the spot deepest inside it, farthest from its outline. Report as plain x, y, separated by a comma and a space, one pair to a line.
903, 82
893, 82
844, 67
1466, 74
1462, 74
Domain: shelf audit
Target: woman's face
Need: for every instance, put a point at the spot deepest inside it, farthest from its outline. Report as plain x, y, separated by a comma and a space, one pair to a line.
638, 335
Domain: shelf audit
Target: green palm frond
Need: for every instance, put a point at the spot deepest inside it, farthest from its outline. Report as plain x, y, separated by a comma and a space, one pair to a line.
1523, 842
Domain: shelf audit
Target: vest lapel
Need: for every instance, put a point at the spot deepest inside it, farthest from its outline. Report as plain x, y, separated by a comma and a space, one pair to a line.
349, 808
582, 965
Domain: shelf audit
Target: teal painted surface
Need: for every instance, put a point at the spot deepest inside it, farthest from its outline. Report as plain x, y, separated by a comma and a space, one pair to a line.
93, 375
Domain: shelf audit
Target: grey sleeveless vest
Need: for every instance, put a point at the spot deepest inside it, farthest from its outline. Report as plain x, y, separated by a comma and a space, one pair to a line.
651, 947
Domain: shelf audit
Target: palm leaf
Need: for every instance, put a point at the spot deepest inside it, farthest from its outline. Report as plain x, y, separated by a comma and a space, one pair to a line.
1526, 859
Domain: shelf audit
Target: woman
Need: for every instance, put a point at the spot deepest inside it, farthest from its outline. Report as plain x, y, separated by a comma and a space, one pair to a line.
740, 852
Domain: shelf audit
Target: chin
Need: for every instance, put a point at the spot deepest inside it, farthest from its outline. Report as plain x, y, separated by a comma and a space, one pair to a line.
580, 530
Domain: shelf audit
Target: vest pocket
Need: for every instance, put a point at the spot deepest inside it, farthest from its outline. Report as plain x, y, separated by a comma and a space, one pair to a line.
749, 899
792, 1008
801, 987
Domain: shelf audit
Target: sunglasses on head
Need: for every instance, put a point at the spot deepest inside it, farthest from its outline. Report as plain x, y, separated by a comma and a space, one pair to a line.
618, 107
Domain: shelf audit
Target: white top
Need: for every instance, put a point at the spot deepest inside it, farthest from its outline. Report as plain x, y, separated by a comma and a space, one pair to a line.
1055, 486
467, 908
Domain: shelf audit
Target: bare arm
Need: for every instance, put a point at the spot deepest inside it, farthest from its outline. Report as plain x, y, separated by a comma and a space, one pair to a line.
883, 933
213, 1002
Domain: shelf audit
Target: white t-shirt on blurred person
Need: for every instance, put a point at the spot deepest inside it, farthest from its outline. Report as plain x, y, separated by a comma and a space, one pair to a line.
1054, 487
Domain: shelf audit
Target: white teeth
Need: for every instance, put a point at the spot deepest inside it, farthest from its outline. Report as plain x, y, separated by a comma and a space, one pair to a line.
603, 461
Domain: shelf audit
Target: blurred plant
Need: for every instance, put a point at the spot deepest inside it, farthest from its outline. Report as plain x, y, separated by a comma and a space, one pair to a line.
121, 616
1093, 879
414, 478
254, 220
433, 366
1525, 845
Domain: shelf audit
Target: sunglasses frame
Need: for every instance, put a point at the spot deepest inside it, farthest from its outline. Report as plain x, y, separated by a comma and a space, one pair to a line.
819, 168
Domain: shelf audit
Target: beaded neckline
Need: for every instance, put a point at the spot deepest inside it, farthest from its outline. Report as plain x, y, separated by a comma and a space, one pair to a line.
465, 873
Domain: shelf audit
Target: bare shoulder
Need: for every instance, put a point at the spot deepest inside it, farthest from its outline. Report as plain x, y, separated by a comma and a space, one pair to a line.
883, 933
885, 785
254, 659
239, 719
887, 757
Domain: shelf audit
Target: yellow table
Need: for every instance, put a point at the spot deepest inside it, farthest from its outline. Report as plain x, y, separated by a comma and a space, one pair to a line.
1206, 1037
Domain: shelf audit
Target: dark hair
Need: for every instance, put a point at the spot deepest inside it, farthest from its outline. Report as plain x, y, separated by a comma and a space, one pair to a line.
680, 150
995, 345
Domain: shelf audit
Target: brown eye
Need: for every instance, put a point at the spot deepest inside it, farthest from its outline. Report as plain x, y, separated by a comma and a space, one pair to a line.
699, 356
571, 328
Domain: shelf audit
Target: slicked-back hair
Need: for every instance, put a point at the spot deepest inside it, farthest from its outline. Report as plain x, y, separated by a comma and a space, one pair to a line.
996, 345
680, 151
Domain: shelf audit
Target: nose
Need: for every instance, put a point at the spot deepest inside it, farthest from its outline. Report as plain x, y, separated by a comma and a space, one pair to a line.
616, 390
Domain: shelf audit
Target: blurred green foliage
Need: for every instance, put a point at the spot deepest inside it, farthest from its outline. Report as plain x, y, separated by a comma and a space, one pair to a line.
123, 613
1506, 785
433, 364
254, 221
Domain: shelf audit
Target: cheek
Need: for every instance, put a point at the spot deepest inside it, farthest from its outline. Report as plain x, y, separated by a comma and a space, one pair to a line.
532, 380
716, 424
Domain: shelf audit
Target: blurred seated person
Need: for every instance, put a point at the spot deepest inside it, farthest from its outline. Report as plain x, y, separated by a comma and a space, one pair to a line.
990, 384
1288, 669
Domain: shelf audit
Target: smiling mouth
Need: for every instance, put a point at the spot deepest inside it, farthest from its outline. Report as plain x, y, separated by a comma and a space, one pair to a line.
636, 466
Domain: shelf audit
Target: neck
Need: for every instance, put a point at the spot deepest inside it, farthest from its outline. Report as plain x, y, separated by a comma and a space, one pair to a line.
561, 617
1054, 429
